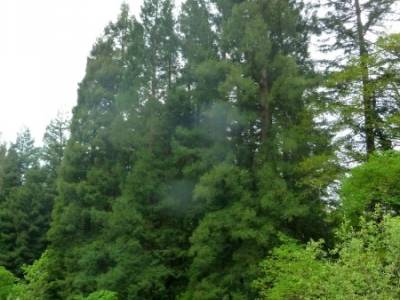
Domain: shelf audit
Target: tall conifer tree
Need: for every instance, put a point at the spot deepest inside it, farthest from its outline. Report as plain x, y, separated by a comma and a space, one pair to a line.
355, 24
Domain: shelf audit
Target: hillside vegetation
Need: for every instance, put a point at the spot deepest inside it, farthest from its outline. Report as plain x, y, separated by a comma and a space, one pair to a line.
210, 157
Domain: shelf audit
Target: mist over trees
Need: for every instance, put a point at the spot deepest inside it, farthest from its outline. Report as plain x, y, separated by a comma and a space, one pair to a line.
210, 157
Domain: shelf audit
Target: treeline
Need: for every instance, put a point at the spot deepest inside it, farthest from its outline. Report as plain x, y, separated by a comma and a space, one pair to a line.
206, 151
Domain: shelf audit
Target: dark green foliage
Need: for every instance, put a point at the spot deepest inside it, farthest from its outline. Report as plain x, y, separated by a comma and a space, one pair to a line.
3, 169
113, 169
26, 206
229, 240
177, 180
25, 217
265, 123
161, 44
55, 140
21, 156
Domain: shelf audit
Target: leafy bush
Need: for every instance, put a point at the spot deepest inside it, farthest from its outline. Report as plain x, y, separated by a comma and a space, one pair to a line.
7, 282
375, 182
364, 265
102, 295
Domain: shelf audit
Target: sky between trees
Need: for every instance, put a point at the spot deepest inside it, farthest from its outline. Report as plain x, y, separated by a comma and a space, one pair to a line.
43, 57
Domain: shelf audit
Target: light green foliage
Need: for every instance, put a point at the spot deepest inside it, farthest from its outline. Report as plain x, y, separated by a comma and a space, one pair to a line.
37, 279
291, 273
102, 295
363, 266
373, 183
7, 283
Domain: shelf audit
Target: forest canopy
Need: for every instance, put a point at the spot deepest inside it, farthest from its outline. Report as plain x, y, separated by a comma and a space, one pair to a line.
210, 157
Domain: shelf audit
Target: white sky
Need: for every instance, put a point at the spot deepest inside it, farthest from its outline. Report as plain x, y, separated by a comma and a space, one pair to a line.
43, 50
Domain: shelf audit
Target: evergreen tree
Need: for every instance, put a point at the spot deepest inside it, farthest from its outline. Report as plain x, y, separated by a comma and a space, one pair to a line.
91, 173
21, 156
25, 209
192, 148
55, 141
3, 157
266, 87
161, 46
354, 24
198, 41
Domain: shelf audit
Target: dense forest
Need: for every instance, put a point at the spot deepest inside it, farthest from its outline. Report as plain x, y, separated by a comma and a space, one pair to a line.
210, 156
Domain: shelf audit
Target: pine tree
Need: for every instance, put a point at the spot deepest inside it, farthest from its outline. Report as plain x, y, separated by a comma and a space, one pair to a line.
266, 87
161, 46
354, 24
198, 41
92, 169
20, 157
55, 141
190, 152
26, 206
3, 156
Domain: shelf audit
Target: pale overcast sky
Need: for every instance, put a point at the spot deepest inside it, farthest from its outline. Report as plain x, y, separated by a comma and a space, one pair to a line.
43, 50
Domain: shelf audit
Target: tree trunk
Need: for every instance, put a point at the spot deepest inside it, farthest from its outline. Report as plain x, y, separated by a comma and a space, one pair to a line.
368, 101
